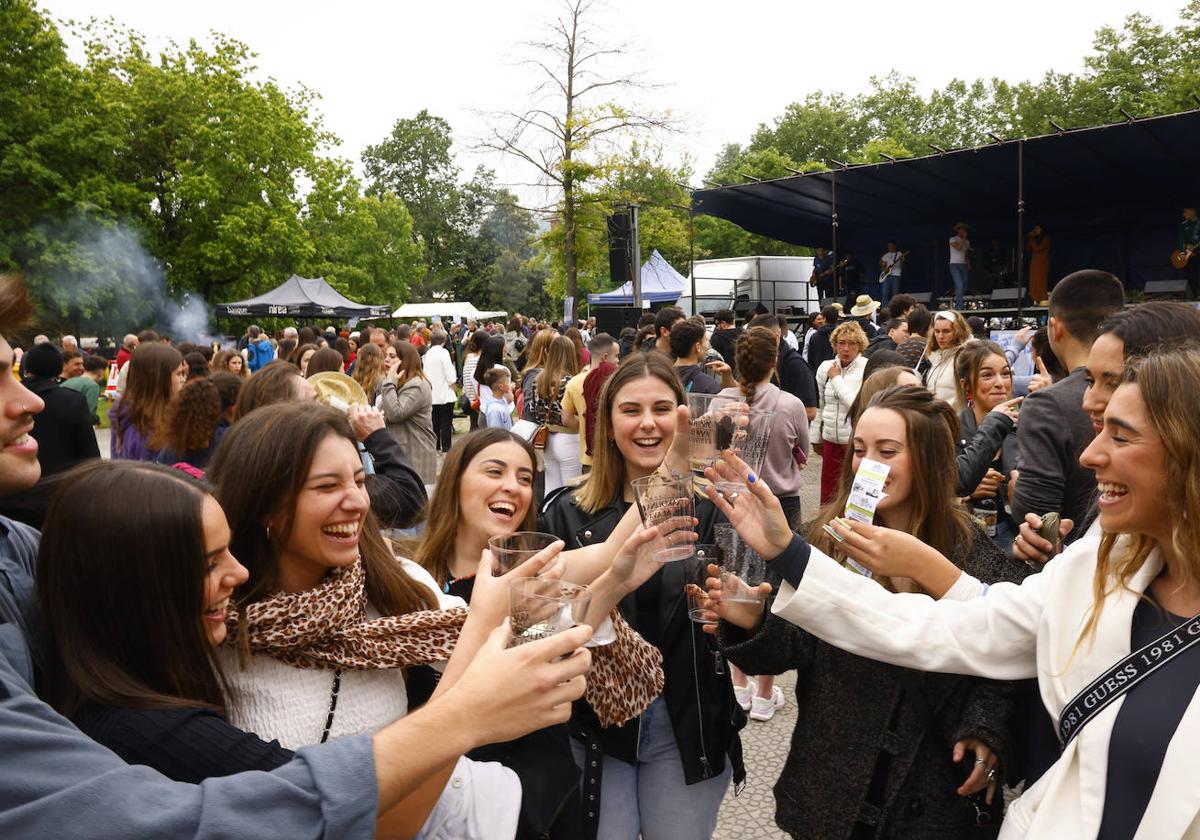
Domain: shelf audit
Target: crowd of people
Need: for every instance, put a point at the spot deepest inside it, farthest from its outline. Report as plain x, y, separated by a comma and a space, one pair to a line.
273, 609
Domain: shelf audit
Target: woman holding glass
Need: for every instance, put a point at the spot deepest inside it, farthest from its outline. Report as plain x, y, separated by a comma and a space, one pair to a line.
329, 617
920, 756
1128, 762
665, 775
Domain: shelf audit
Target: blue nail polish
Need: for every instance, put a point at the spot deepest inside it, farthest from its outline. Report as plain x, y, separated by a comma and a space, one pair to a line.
750, 477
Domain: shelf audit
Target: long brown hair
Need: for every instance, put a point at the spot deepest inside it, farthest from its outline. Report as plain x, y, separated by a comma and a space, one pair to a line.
260, 469
122, 590
436, 545
961, 331
193, 416
608, 467
411, 365
368, 368
562, 359
221, 362
149, 389
756, 353
931, 429
1162, 376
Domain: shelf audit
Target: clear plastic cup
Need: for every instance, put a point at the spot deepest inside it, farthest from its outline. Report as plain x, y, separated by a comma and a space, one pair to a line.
511, 550
710, 427
749, 443
541, 608
742, 568
695, 582
666, 503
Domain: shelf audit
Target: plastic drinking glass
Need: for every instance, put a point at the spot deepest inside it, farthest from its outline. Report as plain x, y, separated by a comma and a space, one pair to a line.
695, 582
541, 607
511, 550
750, 440
666, 502
742, 568
710, 427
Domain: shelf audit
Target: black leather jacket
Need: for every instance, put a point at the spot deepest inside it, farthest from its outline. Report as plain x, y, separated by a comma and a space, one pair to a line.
699, 696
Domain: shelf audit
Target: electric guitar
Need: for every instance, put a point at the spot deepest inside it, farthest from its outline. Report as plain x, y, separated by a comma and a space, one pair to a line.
1179, 259
815, 278
883, 275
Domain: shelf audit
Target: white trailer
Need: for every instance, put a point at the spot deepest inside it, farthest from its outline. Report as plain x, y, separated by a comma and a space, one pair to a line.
779, 283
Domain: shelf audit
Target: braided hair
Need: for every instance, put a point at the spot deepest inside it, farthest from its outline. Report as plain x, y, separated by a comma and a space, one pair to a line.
756, 353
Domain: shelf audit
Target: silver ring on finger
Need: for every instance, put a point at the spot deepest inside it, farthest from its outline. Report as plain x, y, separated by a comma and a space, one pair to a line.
992, 775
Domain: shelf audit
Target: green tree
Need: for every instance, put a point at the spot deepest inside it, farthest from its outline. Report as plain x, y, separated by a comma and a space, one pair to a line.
577, 110
416, 163
363, 245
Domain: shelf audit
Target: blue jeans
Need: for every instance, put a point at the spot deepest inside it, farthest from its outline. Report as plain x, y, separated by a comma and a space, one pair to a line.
650, 799
891, 288
958, 273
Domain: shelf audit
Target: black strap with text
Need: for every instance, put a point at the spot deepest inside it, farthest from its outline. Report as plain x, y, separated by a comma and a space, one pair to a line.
1123, 676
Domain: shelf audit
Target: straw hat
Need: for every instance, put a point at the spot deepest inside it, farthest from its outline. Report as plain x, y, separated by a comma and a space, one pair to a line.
338, 390
962, 226
863, 305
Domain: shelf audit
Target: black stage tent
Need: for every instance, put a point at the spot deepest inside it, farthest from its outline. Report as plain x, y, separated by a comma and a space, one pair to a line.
1109, 197
303, 297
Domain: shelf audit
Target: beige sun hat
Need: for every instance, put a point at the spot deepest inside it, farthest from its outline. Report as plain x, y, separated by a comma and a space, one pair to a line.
338, 390
863, 305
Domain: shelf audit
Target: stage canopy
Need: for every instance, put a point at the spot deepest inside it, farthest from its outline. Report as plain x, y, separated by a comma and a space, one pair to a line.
1109, 197
660, 284
303, 297
449, 309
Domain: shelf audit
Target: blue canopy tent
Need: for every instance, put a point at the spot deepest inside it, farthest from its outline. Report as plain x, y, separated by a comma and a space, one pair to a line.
660, 284
1109, 196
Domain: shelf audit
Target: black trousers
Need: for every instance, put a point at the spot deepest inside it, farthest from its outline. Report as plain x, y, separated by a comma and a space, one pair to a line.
443, 425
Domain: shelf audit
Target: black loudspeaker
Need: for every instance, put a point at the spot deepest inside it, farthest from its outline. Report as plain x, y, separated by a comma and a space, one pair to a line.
747, 309
613, 319
921, 297
619, 234
1167, 287
1006, 296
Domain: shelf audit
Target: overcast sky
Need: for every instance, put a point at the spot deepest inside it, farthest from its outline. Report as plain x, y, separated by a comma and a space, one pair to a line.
723, 67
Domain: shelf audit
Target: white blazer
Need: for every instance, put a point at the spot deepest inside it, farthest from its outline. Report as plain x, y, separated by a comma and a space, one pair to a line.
1017, 632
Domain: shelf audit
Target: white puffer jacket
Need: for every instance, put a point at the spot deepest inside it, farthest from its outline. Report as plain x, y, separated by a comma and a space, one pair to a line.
837, 395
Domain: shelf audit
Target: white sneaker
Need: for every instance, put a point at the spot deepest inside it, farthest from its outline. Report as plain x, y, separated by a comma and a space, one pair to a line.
744, 694
763, 708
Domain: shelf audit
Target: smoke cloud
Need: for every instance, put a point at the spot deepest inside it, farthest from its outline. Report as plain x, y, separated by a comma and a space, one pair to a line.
100, 273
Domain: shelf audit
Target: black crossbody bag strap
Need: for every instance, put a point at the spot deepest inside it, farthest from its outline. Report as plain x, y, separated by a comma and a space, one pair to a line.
1123, 676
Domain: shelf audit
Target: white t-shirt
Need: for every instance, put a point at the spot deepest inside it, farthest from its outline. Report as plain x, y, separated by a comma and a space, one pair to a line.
959, 255
891, 260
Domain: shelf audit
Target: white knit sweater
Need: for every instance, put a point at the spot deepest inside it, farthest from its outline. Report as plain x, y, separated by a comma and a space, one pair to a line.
290, 704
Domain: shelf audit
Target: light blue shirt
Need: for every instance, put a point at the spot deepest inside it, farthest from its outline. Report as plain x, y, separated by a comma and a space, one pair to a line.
57, 782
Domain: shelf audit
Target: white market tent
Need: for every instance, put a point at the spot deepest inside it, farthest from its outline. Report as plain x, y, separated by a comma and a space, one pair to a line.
660, 284
449, 309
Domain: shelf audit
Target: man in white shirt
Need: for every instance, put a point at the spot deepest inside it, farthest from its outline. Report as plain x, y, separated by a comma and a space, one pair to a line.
893, 263
960, 262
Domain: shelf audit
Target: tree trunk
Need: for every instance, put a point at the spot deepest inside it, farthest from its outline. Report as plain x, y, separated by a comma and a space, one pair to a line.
568, 182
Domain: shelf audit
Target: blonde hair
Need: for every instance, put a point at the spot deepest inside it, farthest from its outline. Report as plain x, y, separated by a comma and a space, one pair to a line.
1162, 376
562, 359
369, 368
851, 330
539, 346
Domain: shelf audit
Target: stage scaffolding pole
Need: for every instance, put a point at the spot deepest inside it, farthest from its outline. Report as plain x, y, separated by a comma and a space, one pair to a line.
1020, 228
837, 291
692, 253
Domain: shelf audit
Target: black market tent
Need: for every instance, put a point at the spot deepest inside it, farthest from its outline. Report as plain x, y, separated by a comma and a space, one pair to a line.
303, 297
1109, 196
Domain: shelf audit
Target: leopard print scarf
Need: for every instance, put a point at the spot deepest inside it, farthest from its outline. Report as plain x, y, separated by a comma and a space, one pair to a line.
327, 627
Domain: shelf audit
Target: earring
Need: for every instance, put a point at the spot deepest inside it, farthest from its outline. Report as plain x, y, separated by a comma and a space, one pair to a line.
268, 533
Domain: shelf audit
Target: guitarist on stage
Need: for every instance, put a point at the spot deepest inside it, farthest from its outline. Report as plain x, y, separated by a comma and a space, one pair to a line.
891, 266
1187, 250
823, 274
